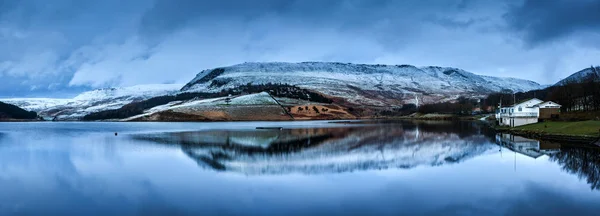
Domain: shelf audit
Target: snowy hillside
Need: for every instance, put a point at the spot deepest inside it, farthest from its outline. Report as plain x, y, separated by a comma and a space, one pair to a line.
132, 91
259, 106
360, 83
91, 101
36, 104
581, 75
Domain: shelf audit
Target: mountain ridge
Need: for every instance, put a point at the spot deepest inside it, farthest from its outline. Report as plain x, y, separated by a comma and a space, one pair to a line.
581, 76
358, 83
91, 101
355, 90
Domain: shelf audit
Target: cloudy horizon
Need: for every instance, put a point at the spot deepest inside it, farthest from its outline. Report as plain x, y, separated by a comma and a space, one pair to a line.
61, 47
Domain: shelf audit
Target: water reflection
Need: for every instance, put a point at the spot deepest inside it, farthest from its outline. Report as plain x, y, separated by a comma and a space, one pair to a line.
581, 160
384, 145
371, 168
529, 147
329, 150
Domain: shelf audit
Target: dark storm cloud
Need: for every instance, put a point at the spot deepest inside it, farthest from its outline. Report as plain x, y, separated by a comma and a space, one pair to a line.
357, 15
69, 44
541, 21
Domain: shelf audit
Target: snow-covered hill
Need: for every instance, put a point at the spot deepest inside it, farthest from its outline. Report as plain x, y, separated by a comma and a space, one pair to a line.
349, 84
361, 83
581, 76
91, 101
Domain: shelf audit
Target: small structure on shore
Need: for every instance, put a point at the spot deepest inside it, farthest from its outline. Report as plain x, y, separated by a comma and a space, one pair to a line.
527, 112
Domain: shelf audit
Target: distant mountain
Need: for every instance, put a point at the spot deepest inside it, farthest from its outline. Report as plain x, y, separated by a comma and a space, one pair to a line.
301, 91
377, 85
91, 101
581, 76
9, 111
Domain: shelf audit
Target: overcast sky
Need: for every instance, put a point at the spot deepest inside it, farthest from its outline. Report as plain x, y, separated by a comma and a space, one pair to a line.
58, 47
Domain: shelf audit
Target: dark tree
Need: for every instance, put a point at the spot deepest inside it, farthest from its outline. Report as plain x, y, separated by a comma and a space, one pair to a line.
228, 100
316, 109
10, 111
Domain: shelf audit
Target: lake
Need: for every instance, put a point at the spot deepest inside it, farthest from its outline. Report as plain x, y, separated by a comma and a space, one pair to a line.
305, 168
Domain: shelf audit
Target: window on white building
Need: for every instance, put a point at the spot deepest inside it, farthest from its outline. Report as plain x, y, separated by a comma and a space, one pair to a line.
520, 109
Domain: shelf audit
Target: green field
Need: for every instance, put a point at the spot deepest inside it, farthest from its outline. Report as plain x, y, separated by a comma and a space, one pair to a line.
579, 128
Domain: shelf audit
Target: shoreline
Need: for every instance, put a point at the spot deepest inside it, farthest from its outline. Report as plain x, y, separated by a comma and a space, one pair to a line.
533, 134
548, 136
21, 120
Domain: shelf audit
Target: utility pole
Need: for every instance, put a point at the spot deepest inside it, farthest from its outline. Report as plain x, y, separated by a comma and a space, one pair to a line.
514, 99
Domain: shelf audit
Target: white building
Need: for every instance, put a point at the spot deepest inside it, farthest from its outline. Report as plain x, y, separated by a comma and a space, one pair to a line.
526, 112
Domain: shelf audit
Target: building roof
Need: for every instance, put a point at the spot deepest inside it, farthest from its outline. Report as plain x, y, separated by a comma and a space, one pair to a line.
525, 101
536, 101
541, 103
552, 103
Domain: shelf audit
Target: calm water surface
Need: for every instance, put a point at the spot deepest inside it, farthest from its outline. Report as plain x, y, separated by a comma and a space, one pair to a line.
372, 168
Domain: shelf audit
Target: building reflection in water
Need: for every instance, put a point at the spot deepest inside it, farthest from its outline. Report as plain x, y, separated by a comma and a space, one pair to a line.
528, 147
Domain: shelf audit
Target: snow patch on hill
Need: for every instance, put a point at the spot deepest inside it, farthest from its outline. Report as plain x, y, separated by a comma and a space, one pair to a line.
36, 104
262, 98
132, 91
259, 99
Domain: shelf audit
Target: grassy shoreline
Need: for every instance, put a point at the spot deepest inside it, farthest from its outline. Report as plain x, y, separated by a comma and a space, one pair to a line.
571, 131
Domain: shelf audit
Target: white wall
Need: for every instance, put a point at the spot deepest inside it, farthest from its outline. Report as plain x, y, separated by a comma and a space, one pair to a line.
515, 122
523, 121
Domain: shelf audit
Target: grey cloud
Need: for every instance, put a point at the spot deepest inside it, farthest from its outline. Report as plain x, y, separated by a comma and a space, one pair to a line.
70, 44
168, 15
542, 21
452, 23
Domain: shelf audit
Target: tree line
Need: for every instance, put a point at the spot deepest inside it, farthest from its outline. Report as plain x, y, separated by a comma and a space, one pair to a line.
581, 95
574, 95
462, 106
9, 111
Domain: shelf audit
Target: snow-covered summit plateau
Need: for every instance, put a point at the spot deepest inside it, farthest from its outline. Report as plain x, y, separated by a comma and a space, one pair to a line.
361, 82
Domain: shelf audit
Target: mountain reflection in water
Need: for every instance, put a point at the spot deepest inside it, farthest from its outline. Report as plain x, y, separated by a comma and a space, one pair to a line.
325, 150
308, 168
401, 145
